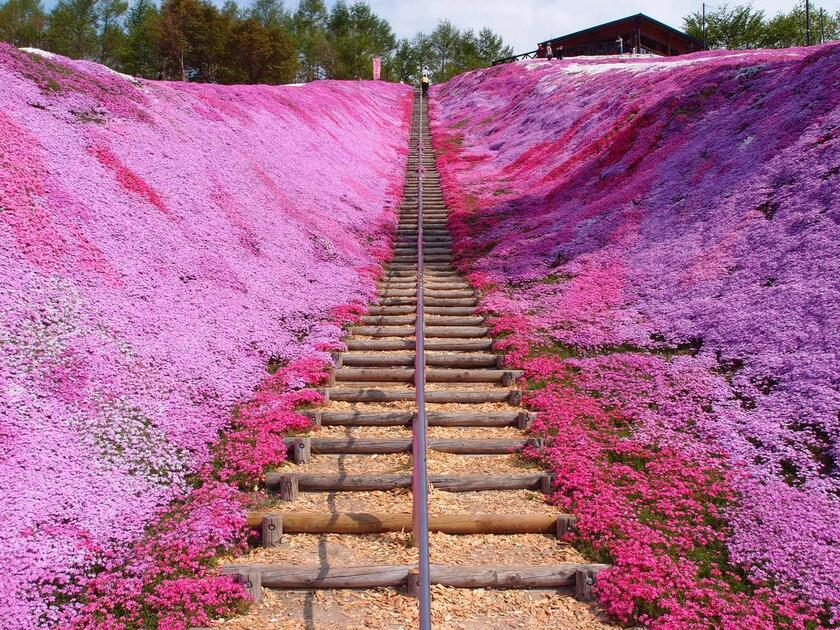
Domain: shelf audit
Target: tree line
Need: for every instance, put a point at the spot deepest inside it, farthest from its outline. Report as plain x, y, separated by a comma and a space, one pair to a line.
194, 40
742, 26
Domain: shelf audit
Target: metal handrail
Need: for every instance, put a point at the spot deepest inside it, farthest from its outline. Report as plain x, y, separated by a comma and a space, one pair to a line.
420, 476
531, 54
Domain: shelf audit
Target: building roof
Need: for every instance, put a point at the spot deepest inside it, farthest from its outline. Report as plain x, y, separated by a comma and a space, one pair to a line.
641, 16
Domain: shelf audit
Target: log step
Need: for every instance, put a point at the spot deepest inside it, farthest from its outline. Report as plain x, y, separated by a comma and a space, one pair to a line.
427, 292
512, 396
373, 523
450, 345
433, 375
520, 419
460, 332
307, 482
378, 576
434, 320
353, 446
429, 301
432, 360
408, 309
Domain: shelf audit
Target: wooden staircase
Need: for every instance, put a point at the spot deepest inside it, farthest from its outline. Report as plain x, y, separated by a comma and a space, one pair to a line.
336, 484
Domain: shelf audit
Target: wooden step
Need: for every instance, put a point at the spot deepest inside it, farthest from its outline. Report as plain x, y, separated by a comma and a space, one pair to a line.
449, 301
375, 523
433, 375
310, 482
450, 345
435, 320
411, 274
449, 310
382, 331
430, 292
521, 419
432, 360
355, 446
579, 576
466, 397
460, 332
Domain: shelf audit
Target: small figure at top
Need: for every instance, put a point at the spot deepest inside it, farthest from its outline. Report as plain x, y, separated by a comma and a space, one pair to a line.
541, 51
549, 51
559, 53
424, 81
620, 43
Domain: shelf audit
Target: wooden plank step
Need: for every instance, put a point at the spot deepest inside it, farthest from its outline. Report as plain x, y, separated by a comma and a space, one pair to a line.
380, 522
411, 274
379, 576
411, 285
430, 267
310, 482
436, 301
432, 360
354, 446
449, 310
431, 292
451, 345
433, 375
382, 331
411, 250
434, 320
512, 396
403, 309
461, 332
519, 419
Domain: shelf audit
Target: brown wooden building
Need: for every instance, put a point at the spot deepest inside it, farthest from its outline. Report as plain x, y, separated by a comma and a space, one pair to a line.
635, 33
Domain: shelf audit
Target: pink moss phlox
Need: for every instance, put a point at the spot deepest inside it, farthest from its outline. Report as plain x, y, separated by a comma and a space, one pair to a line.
656, 241
161, 244
169, 579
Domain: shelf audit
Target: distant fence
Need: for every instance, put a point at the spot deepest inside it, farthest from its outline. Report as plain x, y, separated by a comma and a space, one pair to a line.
609, 48
512, 58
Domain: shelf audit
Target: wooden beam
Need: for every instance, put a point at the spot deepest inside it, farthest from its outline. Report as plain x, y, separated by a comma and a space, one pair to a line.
436, 419
351, 446
272, 529
501, 577
448, 483
370, 523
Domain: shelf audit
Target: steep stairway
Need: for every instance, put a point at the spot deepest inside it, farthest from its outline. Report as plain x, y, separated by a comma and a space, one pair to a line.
340, 514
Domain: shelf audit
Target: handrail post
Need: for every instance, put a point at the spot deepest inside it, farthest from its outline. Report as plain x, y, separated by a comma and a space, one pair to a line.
420, 477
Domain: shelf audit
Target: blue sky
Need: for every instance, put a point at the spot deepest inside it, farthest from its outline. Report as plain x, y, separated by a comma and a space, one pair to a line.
522, 23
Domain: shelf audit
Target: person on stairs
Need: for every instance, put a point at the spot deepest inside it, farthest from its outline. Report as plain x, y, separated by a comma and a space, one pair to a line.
424, 81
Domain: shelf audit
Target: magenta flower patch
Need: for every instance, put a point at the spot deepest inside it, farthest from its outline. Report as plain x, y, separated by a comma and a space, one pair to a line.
161, 244
657, 240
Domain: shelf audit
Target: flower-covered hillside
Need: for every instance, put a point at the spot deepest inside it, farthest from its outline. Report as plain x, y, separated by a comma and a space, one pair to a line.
160, 245
659, 240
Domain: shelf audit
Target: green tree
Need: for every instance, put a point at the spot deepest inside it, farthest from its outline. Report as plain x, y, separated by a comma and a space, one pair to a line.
72, 29
447, 51
208, 44
744, 27
357, 35
789, 29
491, 47
109, 15
405, 64
259, 54
22, 22
315, 54
728, 27
269, 13
140, 55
